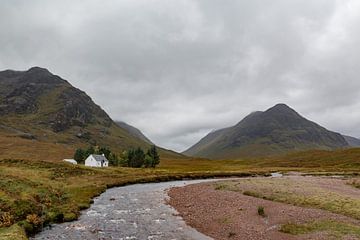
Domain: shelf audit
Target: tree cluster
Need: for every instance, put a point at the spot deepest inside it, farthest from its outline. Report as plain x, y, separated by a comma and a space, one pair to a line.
134, 157
81, 154
137, 158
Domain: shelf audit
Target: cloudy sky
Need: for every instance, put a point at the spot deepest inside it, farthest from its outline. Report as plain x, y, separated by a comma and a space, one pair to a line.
177, 69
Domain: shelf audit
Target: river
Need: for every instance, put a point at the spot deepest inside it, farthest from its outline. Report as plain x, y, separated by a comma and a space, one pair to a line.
131, 212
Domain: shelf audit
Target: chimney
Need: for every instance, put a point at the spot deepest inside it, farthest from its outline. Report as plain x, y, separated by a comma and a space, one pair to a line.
103, 155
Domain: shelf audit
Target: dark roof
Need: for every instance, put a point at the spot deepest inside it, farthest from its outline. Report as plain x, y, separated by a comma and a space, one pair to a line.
99, 158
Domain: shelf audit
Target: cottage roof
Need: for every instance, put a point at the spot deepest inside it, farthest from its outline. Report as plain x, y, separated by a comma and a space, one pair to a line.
99, 158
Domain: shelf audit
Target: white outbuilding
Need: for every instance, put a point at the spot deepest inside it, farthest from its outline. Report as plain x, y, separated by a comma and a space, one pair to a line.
95, 160
72, 161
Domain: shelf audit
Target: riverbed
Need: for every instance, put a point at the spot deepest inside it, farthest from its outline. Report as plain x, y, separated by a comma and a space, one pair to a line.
131, 212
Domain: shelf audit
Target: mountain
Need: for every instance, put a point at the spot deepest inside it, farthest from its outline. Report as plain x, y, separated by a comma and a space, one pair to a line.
44, 116
278, 130
133, 131
353, 142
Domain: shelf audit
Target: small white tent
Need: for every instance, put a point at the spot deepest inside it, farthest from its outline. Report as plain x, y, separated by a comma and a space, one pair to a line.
72, 161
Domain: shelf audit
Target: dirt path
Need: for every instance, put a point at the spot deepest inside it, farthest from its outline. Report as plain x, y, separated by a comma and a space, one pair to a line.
232, 215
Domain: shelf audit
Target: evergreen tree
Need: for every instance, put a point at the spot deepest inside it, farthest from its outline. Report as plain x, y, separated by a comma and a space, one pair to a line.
79, 155
155, 158
130, 156
113, 159
104, 150
148, 161
136, 158
89, 151
124, 159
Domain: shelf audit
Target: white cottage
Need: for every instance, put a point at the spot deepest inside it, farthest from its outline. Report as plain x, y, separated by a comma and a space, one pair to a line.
95, 160
72, 161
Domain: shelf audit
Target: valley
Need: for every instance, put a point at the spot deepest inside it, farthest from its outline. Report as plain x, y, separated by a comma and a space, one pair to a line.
62, 190
44, 119
180, 120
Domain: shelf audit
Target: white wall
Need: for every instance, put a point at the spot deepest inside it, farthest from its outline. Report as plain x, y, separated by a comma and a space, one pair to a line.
91, 162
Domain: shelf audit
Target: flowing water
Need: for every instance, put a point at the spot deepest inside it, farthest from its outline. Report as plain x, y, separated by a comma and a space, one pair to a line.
132, 212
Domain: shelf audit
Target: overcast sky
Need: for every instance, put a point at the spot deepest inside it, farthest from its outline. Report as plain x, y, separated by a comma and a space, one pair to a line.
178, 69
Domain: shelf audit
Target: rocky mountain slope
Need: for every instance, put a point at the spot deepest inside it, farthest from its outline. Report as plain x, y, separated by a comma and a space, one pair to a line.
133, 131
278, 130
38, 106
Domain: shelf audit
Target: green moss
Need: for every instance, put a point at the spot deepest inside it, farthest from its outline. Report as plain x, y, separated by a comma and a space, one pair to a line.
68, 217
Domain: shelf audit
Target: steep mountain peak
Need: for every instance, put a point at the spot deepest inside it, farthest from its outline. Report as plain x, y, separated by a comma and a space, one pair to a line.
281, 108
278, 130
38, 70
42, 76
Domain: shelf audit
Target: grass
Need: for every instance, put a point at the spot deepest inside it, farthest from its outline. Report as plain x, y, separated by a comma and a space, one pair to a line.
299, 193
355, 183
14, 232
333, 228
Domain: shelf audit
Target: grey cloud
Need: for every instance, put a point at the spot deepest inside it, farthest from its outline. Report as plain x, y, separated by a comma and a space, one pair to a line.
179, 69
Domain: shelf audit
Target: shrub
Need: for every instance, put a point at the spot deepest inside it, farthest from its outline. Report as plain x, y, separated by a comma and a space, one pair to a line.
57, 217
220, 186
261, 211
22, 208
34, 220
29, 229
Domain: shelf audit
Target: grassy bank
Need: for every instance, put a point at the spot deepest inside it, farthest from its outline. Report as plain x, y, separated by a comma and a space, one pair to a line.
36, 193
333, 195
299, 192
335, 229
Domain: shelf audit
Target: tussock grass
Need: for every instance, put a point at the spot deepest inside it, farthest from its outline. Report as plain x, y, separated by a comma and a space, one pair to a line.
297, 192
14, 232
333, 228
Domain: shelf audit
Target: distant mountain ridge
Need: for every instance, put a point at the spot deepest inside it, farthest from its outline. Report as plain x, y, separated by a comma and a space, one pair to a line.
133, 131
44, 108
277, 130
353, 142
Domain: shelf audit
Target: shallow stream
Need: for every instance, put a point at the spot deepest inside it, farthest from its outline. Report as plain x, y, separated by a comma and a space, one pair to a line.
132, 212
